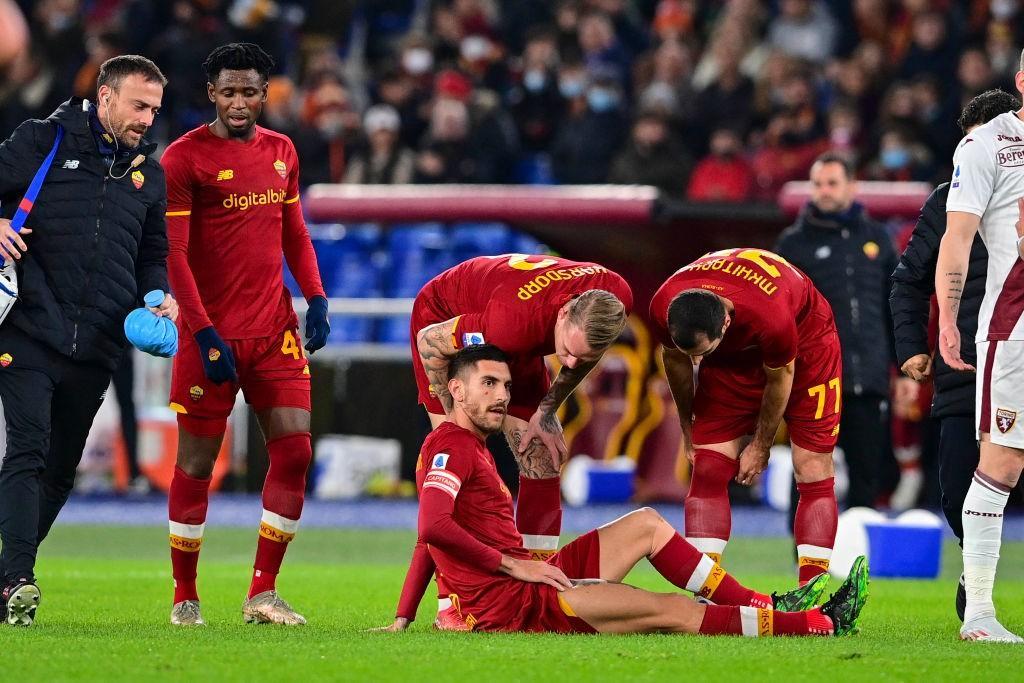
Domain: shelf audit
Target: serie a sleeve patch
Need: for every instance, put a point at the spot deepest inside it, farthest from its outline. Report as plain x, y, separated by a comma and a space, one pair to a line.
443, 480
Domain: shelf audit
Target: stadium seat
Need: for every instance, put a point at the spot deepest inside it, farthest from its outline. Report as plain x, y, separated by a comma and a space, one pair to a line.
480, 239
534, 169
393, 330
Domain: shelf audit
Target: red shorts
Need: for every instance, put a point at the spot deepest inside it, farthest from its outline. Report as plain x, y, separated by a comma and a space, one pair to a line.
728, 399
273, 372
580, 559
530, 380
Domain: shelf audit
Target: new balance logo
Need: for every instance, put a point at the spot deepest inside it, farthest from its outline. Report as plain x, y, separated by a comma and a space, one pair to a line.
982, 514
71, 163
226, 174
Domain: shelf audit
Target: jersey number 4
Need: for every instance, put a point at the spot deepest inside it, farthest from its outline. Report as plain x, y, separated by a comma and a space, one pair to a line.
290, 346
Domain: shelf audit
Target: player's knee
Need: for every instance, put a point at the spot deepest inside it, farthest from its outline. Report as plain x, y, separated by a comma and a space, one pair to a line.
647, 519
812, 467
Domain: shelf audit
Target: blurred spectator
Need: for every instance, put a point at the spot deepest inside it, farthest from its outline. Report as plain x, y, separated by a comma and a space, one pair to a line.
674, 20
99, 46
974, 73
444, 157
396, 88
900, 158
601, 50
589, 137
724, 175
330, 126
845, 132
849, 257
384, 161
931, 49
668, 89
535, 103
727, 101
280, 111
652, 156
1003, 52
805, 29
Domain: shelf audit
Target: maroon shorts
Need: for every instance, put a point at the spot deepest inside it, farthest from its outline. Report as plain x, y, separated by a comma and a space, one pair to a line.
728, 399
580, 559
530, 380
273, 372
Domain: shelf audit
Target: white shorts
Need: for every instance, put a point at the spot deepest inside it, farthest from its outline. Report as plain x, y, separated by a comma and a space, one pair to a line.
999, 400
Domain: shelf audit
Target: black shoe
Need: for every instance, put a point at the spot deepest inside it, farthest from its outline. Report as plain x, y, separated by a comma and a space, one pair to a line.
21, 600
844, 607
961, 598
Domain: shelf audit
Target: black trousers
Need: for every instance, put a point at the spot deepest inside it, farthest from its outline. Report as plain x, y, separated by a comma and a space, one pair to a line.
49, 404
958, 458
124, 386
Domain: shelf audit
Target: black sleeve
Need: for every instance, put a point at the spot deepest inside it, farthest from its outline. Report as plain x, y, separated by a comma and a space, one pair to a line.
889, 261
913, 280
785, 246
20, 156
151, 269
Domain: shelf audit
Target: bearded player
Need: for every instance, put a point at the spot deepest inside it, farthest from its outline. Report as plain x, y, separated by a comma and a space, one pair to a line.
767, 349
530, 306
232, 210
466, 521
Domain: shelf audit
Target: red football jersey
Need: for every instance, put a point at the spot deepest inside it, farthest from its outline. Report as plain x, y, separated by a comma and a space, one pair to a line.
512, 300
232, 211
460, 489
777, 308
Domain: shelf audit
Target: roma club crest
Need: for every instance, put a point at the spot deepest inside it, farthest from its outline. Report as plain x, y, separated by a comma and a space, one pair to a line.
1005, 419
138, 179
281, 169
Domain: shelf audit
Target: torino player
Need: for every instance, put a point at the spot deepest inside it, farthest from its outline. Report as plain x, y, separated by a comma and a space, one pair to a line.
466, 521
232, 209
986, 196
767, 348
530, 306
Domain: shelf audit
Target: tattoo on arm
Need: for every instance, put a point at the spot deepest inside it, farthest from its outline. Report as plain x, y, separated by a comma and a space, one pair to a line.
536, 462
563, 385
435, 346
955, 281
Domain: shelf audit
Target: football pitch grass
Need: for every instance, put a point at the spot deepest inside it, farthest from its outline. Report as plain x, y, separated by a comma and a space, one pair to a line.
106, 602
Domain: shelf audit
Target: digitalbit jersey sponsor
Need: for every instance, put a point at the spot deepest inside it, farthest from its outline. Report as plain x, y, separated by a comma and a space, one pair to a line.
988, 179
777, 312
230, 204
512, 300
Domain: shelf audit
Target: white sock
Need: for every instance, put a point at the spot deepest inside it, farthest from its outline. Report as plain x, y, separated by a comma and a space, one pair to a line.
983, 529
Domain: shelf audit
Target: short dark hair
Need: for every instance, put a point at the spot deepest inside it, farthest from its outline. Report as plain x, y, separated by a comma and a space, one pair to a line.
238, 57
467, 358
833, 157
116, 69
693, 313
985, 107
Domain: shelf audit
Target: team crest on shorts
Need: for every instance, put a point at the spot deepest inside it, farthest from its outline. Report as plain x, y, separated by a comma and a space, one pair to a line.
138, 179
196, 392
1005, 419
6, 360
280, 167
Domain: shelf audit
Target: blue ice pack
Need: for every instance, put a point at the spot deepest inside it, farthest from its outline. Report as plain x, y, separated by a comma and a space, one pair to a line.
150, 333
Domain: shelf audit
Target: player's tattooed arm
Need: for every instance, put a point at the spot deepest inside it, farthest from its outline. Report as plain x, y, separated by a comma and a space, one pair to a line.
436, 344
679, 372
544, 427
535, 461
950, 274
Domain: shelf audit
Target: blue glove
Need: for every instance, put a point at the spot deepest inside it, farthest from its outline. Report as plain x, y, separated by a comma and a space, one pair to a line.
317, 325
218, 361
151, 333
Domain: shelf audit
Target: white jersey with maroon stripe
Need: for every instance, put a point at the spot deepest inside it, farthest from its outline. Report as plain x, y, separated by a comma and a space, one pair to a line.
988, 179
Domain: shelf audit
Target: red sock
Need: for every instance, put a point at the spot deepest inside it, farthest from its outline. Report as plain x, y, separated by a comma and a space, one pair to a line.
759, 623
707, 511
284, 491
688, 568
187, 502
814, 528
539, 515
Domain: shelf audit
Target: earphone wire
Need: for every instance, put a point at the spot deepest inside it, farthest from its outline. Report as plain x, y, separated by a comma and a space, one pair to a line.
110, 170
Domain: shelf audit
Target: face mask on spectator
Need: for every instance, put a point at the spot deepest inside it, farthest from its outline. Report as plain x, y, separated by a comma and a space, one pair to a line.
841, 136
895, 158
571, 87
1003, 9
418, 60
535, 80
602, 99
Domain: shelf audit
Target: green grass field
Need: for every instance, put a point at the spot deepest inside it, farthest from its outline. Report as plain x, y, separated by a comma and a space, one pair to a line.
106, 595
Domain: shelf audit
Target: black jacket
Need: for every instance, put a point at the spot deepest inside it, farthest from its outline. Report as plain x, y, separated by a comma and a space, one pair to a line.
97, 244
912, 289
849, 258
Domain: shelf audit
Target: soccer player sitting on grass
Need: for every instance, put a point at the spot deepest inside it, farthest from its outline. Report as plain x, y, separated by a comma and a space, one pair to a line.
466, 521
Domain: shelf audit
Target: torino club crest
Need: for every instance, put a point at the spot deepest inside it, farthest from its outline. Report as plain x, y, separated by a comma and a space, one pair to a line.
1005, 419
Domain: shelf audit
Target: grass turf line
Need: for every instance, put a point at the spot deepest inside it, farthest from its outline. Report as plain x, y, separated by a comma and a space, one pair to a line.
106, 594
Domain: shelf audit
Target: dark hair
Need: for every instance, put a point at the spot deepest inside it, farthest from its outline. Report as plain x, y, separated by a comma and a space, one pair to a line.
238, 57
694, 313
467, 358
985, 107
116, 69
832, 157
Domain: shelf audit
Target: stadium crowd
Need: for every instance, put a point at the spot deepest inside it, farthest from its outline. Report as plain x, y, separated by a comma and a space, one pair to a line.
711, 101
